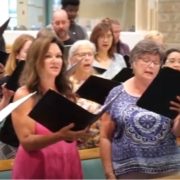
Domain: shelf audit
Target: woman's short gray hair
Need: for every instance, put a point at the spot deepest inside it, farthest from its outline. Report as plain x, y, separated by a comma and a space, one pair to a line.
78, 44
146, 47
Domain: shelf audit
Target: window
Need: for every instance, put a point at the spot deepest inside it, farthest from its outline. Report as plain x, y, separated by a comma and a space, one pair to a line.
12, 7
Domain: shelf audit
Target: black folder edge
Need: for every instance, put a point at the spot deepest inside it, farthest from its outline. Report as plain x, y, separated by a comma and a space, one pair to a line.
96, 90
72, 68
13, 105
4, 26
99, 70
124, 74
66, 52
38, 112
95, 87
145, 101
12, 82
3, 57
127, 61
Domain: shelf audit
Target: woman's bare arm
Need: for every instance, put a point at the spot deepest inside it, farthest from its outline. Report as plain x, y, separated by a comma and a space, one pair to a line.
176, 126
25, 127
106, 132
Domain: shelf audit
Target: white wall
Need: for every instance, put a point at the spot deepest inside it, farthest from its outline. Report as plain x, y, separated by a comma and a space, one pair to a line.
10, 36
30, 13
36, 14
131, 38
4, 11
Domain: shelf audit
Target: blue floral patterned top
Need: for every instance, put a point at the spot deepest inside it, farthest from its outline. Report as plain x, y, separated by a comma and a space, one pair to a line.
142, 141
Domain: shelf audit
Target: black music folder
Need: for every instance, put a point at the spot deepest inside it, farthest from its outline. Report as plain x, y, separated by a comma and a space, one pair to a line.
6, 111
54, 111
99, 70
123, 75
3, 57
13, 81
127, 60
96, 89
164, 88
4, 26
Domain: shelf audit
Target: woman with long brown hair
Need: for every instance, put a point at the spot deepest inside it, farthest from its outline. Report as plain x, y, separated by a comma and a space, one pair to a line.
51, 155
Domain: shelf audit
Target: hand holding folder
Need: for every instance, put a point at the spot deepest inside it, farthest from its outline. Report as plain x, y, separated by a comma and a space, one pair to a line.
55, 111
164, 88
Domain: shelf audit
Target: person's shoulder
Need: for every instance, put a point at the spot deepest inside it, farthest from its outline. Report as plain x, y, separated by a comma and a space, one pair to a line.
116, 89
69, 42
113, 92
21, 92
119, 59
119, 87
49, 26
117, 55
124, 44
76, 26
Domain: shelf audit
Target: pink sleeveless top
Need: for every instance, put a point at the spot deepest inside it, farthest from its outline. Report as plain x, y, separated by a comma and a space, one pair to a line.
57, 161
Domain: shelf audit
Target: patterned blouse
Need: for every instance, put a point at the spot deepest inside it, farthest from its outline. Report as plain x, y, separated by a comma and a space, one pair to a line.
143, 141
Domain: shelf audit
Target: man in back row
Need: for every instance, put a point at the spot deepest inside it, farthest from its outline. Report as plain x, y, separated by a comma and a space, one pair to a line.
72, 7
63, 23
60, 26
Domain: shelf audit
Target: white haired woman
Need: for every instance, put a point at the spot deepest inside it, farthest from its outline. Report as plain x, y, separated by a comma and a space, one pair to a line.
81, 54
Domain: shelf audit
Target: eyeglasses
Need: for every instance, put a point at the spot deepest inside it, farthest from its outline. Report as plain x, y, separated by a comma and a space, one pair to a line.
108, 36
148, 61
84, 54
173, 61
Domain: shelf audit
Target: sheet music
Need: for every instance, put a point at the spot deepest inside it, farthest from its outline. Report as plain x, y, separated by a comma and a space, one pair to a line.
12, 106
70, 70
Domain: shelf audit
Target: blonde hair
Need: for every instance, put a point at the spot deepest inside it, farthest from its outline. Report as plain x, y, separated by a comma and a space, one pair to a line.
16, 48
155, 36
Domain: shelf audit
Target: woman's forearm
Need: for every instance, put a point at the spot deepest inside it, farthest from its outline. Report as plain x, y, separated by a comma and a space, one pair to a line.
176, 126
106, 156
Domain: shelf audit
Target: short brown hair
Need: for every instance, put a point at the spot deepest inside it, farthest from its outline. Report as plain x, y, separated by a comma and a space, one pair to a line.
146, 46
98, 30
16, 48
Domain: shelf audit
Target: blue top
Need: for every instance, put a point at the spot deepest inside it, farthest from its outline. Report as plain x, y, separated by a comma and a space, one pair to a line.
142, 141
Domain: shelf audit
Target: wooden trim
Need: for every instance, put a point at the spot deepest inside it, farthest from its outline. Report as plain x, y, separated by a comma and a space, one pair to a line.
6, 165
93, 153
